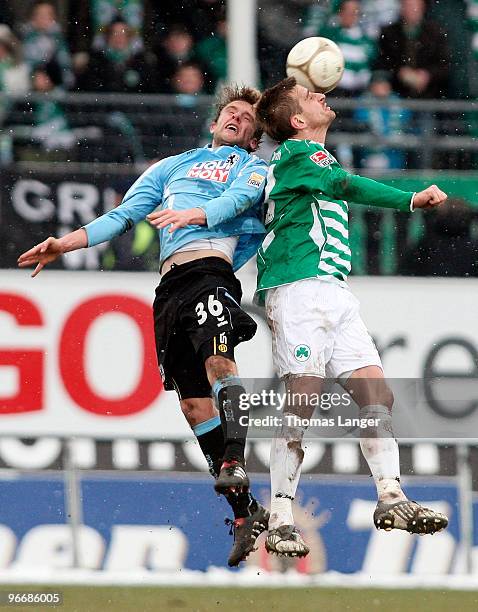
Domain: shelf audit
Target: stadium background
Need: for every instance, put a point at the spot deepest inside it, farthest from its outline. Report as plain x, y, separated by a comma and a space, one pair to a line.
101, 481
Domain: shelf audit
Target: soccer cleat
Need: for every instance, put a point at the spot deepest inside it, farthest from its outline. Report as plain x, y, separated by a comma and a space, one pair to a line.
409, 516
232, 477
286, 541
246, 531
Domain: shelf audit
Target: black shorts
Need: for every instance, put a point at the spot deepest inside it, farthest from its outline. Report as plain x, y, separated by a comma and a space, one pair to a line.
197, 314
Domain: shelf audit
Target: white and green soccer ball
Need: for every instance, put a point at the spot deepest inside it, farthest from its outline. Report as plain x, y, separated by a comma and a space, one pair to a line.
316, 63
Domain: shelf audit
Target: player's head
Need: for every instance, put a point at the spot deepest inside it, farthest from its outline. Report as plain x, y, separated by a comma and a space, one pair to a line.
235, 118
289, 110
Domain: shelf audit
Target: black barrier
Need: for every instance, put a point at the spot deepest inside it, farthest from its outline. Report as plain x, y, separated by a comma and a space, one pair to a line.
34, 206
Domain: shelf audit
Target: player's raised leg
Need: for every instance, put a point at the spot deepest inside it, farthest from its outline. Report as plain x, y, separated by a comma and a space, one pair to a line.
250, 517
183, 370
227, 390
380, 449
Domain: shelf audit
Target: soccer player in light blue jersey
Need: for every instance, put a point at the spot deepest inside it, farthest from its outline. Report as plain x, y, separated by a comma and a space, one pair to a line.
207, 206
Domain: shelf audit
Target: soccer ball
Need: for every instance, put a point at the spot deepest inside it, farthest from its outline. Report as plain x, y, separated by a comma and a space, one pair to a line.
316, 63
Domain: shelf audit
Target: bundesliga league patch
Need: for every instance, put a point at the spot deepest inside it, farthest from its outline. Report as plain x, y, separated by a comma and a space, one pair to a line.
210, 171
256, 180
322, 159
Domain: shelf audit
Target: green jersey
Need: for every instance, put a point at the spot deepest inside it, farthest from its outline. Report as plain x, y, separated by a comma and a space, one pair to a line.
307, 214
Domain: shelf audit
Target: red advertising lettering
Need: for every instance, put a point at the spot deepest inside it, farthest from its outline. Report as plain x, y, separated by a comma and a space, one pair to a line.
72, 356
28, 361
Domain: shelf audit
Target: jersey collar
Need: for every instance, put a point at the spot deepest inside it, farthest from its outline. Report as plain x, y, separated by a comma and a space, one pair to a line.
322, 144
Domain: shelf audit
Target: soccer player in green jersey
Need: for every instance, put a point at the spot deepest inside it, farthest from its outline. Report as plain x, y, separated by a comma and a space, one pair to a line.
316, 327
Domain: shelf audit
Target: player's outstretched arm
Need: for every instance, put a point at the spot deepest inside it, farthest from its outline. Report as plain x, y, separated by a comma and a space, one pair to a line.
50, 249
429, 198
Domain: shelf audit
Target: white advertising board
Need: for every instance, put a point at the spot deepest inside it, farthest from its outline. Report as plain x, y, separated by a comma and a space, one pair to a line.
77, 349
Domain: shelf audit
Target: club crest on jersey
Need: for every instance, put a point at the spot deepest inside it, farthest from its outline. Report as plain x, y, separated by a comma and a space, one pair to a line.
217, 171
322, 159
233, 159
256, 180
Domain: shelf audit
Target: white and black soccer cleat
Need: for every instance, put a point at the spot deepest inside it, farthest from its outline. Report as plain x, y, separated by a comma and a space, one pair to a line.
408, 516
246, 531
286, 541
232, 477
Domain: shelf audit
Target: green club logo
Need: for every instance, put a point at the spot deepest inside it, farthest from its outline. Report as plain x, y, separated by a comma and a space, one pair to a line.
302, 352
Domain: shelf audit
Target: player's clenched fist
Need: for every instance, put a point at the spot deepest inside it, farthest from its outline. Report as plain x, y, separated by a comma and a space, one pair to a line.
429, 198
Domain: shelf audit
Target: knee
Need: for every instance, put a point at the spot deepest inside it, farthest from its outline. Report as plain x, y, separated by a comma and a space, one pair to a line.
382, 396
295, 447
190, 411
219, 367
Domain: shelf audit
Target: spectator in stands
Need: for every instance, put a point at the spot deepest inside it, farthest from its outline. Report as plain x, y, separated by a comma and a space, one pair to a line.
389, 119
413, 54
197, 16
378, 13
104, 12
188, 79
174, 49
51, 129
447, 249
118, 67
43, 41
374, 14
211, 52
280, 27
14, 74
358, 49
89, 19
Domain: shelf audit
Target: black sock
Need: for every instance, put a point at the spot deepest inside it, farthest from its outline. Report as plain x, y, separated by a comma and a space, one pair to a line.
212, 446
232, 419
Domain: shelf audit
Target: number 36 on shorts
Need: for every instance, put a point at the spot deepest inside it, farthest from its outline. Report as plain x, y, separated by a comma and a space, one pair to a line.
213, 307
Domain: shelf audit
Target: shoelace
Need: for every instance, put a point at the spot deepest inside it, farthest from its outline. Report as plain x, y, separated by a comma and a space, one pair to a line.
231, 522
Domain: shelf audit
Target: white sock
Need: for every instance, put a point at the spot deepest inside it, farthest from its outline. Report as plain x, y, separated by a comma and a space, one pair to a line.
285, 467
382, 454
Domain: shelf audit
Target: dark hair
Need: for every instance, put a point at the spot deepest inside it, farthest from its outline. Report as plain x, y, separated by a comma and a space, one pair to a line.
232, 93
275, 108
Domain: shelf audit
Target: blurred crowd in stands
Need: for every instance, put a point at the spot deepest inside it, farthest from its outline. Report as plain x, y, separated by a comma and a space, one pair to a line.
130, 46
394, 50
391, 47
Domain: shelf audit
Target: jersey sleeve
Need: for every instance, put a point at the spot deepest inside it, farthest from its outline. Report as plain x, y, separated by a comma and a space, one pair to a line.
245, 190
140, 199
318, 171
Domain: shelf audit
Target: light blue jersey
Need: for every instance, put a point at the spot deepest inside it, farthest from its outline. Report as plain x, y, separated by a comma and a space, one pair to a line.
226, 182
